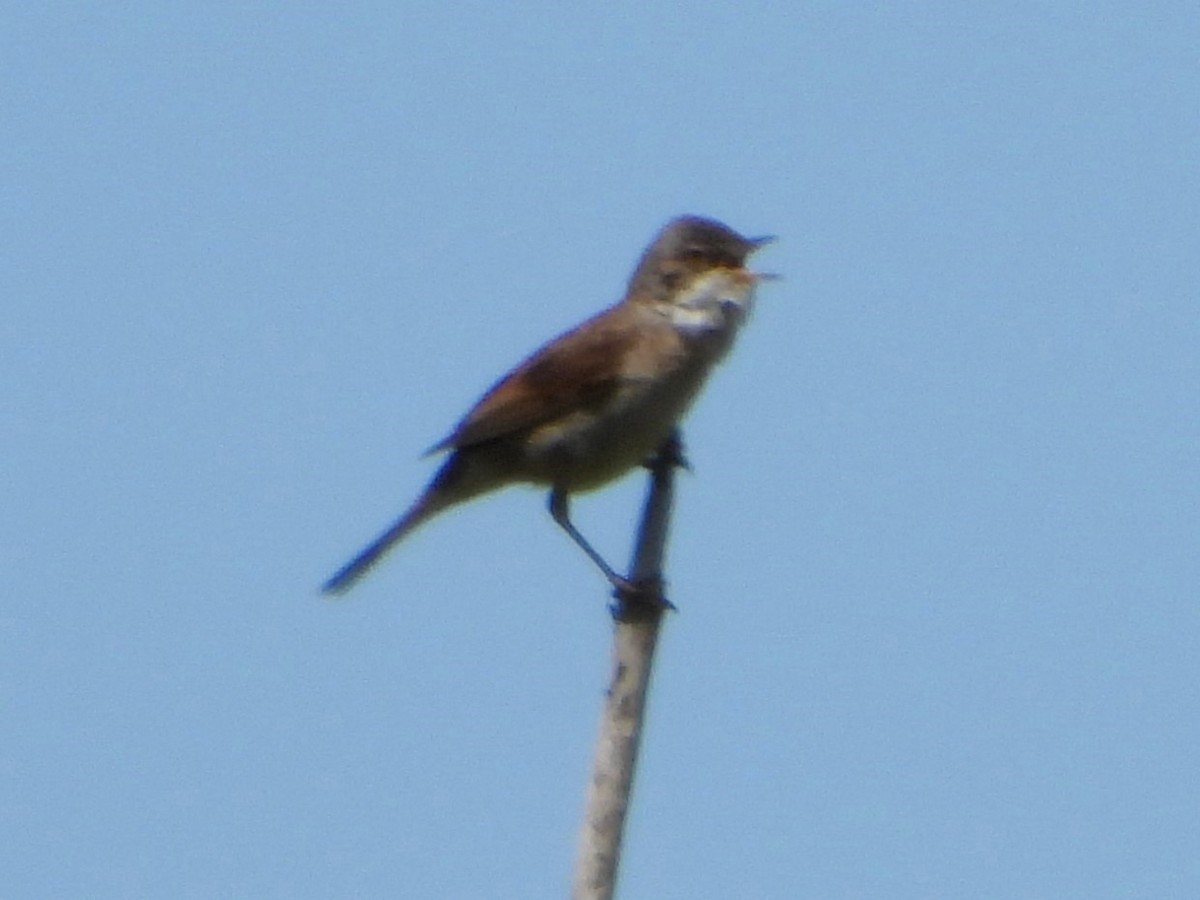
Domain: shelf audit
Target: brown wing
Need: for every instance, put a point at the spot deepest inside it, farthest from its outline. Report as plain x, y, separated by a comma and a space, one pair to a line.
579, 370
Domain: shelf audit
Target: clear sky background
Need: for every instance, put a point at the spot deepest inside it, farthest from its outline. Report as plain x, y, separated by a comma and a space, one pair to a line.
937, 566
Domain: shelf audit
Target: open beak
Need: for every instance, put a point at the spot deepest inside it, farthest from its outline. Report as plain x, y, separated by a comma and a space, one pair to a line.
756, 244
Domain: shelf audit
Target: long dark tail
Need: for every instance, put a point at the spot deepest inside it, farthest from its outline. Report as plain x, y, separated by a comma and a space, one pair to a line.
348, 575
452, 484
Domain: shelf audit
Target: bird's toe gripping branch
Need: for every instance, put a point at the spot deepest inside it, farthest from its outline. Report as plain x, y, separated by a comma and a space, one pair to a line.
640, 600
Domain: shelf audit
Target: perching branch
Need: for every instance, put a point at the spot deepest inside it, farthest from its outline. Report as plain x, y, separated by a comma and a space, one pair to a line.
638, 616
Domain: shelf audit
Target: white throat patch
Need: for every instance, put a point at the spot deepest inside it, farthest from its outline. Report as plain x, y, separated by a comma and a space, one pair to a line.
717, 301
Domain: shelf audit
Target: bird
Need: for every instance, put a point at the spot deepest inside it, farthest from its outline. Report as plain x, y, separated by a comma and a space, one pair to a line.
600, 399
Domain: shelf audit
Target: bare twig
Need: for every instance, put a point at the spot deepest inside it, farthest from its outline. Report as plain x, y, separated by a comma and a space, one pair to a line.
638, 616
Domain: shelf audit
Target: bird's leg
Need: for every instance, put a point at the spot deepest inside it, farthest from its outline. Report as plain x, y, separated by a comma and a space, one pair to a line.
559, 503
643, 592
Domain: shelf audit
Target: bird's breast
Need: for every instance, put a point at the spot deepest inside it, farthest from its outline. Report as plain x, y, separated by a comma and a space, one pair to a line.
661, 374
587, 449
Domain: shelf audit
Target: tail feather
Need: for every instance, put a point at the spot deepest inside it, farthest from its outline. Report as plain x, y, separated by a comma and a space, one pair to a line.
348, 575
456, 481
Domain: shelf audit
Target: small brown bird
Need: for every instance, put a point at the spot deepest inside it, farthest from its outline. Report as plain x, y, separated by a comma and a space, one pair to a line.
602, 398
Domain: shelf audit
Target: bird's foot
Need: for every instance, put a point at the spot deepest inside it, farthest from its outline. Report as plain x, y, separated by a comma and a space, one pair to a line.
670, 453
640, 599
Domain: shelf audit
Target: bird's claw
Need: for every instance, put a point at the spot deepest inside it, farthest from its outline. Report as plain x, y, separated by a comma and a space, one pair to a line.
640, 599
670, 453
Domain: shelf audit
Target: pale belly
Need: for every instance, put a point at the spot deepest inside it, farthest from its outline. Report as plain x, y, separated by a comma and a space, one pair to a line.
587, 450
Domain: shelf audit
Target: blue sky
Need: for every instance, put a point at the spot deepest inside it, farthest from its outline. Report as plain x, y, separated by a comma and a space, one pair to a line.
936, 566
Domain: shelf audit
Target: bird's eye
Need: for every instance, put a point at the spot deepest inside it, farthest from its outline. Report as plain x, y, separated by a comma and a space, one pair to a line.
671, 278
